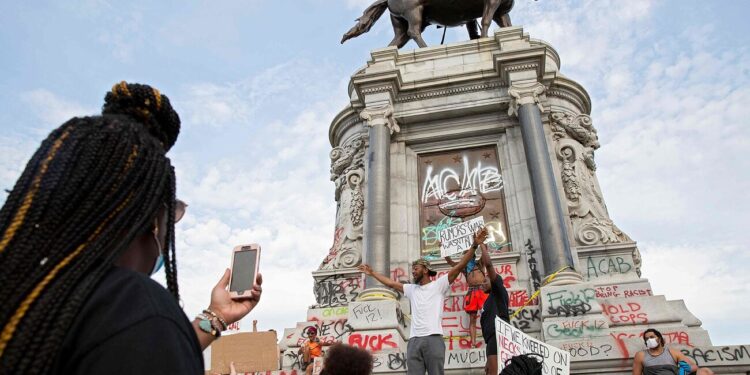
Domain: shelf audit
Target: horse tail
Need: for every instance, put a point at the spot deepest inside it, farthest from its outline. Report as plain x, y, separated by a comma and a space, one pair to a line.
369, 17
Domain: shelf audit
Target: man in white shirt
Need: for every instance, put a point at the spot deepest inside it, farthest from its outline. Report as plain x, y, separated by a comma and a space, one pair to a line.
426, 348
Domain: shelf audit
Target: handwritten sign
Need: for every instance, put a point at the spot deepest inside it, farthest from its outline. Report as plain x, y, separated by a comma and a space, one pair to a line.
512, 342
317, 365
459, 237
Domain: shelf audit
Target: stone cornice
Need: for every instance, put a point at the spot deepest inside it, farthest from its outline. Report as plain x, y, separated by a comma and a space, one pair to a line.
368, 83
343, 120
569, 90
526, 59
447, 91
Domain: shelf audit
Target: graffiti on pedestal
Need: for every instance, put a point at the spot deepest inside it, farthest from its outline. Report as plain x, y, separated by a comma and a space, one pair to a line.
347, 173
337, 290
458, 185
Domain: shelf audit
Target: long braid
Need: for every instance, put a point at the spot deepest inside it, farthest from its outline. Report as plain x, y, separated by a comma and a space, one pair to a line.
170, 260
94, 185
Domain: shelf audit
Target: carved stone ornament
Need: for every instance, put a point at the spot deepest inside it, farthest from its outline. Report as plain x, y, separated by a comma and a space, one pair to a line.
525, 93
347, 172
581, 129
381, 115
575, 142
637, 260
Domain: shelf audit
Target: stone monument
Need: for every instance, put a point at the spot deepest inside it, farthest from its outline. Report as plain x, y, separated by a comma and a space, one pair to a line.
491, 128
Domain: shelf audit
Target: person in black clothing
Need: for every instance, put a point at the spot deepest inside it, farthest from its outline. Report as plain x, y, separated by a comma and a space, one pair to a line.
495, 305
90, 219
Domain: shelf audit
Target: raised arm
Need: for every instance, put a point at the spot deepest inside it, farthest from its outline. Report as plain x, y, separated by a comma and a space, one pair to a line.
450, 261
381, 278
487, 261
479, 237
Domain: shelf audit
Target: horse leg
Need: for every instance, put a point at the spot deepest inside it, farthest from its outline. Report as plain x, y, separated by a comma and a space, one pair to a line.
414, 18
400, 28
473, 28
502, 15
502, 20
490, 6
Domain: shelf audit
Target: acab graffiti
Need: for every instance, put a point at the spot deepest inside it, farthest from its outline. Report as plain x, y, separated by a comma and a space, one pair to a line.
447, 183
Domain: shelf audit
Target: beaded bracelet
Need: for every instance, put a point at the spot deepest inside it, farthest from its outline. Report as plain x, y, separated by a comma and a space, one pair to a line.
223, 322
206, 325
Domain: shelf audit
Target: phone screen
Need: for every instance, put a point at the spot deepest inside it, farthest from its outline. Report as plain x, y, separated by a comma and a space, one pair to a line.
243, 270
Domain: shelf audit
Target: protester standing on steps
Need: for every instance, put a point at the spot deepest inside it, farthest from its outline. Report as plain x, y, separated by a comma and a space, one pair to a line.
426, 348
660, 360
496, 305
475, 295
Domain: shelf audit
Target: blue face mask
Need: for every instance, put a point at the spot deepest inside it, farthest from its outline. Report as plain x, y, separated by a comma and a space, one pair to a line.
160, 259
158, 264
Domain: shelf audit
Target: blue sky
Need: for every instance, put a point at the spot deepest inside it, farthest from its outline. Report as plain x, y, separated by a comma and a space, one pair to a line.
257, 82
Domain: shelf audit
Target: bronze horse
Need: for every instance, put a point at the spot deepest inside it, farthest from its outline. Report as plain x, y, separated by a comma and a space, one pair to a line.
411, 17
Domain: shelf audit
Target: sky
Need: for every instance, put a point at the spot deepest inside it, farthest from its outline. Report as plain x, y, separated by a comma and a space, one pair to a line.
257, 83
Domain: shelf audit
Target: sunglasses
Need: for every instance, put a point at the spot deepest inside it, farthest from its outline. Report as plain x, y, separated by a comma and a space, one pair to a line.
179, 210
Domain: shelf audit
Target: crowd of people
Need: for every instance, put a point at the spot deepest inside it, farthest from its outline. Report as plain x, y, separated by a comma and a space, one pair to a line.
92, 217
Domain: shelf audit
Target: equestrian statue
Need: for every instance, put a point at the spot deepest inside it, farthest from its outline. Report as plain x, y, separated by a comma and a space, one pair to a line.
411, 17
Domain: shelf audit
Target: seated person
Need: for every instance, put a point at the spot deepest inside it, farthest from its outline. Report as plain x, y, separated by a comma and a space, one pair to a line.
311, 349
659, 360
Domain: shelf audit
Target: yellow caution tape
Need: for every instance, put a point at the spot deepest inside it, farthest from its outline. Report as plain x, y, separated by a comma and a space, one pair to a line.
536, 294
377, 296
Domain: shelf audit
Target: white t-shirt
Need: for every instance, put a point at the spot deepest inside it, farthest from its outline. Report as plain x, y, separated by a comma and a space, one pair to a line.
427, 306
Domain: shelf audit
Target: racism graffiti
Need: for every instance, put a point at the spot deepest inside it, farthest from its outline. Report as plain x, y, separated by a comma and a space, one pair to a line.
459, 185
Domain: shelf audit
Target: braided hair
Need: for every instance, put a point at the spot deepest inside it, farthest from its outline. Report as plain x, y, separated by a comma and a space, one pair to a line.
523, 364
93, 186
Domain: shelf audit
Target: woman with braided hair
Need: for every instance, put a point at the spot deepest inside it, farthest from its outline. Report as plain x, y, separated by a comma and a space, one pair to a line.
90, 219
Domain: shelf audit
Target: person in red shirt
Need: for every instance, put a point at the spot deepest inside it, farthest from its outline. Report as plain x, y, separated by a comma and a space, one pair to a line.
311, 349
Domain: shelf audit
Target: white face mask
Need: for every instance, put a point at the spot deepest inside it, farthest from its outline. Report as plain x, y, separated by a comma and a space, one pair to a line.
652, 343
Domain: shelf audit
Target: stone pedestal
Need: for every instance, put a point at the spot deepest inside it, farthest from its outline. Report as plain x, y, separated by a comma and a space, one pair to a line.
491, 128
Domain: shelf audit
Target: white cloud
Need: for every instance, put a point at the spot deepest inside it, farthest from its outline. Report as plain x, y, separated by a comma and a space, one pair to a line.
671, 111
125, 34
15, 151
280, 198
52, 109
294, 84
705, 276
17, 147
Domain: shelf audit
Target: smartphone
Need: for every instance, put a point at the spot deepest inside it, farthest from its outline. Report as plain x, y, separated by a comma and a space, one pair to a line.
245, 259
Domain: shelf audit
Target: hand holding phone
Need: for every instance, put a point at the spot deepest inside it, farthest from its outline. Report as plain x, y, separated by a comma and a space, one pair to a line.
245, 261
239, 290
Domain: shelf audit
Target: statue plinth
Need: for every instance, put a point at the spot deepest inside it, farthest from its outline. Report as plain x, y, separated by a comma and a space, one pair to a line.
440, 135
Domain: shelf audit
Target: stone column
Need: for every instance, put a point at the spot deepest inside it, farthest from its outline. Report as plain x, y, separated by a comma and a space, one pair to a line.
377, 198
553, 233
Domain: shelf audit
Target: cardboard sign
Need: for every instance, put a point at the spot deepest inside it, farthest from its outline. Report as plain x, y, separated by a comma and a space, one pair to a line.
317, 365
250, 352
512, 342
459, 237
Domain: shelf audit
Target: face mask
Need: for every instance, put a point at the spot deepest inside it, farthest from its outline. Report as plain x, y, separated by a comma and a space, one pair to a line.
652, 343
160, 259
